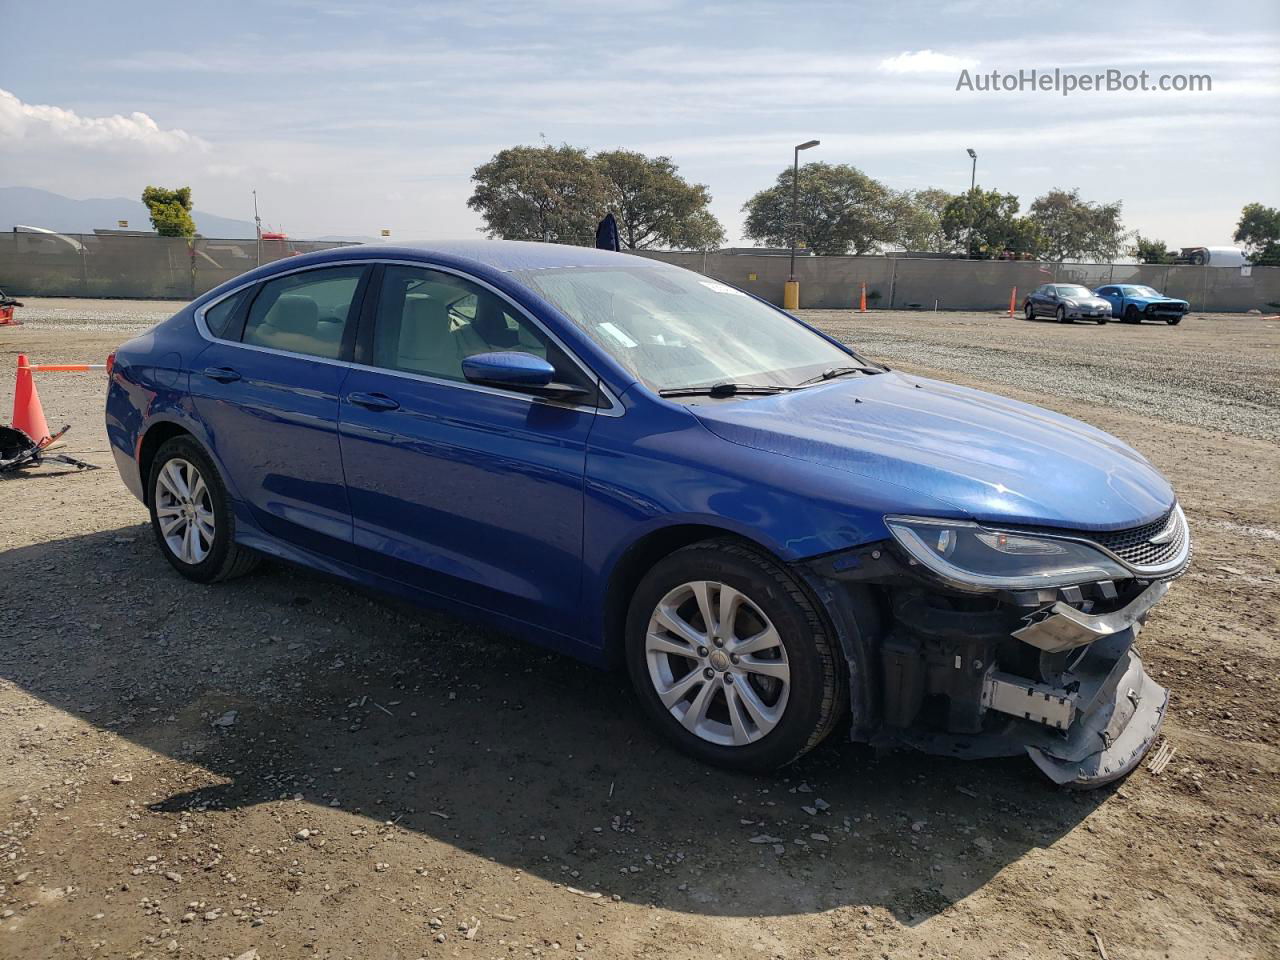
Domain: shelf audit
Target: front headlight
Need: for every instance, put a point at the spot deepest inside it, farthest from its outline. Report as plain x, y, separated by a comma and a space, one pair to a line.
970, 556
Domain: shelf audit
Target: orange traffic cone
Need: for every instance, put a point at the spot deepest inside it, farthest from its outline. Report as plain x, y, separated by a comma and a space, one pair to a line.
28, 416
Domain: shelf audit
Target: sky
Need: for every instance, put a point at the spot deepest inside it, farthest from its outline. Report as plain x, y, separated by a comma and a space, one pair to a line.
349, 118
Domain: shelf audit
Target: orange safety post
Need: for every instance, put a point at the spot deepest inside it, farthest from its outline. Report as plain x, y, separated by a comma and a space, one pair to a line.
28, 415
61, 367
1013, 298
862, 303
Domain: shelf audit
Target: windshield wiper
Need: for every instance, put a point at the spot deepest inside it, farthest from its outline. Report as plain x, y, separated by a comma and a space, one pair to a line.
834, 372
723, 389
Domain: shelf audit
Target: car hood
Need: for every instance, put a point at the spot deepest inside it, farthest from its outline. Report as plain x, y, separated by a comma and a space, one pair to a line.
1088, 301
995, 460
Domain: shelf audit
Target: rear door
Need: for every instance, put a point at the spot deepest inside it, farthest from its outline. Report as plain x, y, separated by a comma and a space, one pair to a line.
267, 390
470, 492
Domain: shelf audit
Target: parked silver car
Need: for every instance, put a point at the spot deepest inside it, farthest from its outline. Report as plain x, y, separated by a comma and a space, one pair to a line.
1066, 302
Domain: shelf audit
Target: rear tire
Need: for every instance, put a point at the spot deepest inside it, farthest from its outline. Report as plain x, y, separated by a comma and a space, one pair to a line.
758, 689
191, 516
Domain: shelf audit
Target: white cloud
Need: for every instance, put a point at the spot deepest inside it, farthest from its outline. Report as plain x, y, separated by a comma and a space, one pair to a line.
39, 125
926, 61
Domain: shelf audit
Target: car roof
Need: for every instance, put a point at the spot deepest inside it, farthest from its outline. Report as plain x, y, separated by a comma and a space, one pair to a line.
487, 259
500, 255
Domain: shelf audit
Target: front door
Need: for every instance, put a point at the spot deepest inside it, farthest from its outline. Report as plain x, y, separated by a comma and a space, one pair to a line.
267, 390
472, 493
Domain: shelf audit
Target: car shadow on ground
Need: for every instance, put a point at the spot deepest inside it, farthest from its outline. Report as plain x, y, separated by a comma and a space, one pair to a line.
489, 745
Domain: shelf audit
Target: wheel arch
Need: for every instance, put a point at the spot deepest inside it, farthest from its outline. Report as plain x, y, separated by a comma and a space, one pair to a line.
156, 436
640, 557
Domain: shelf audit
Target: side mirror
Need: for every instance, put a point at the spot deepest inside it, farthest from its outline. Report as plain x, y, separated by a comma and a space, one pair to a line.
522, 372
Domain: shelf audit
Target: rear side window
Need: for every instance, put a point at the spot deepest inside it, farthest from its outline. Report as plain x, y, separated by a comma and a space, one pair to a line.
218, 317
304, 312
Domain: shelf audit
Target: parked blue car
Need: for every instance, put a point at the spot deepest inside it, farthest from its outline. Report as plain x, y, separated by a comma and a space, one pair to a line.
1134, 303
634, 464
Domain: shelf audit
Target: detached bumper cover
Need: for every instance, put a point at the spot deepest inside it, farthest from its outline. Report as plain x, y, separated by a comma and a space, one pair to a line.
1112, 733
1115, 708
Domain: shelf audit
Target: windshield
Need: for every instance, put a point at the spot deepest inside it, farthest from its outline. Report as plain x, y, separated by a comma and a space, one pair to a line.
673, 328
1140, 292
1072, 290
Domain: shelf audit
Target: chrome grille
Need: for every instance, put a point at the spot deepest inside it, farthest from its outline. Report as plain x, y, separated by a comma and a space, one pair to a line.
1134, 545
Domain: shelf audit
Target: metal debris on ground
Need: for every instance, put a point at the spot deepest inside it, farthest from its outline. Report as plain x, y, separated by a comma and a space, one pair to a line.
18, 451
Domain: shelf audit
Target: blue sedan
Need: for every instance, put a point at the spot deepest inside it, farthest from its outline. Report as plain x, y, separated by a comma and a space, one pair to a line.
639, 466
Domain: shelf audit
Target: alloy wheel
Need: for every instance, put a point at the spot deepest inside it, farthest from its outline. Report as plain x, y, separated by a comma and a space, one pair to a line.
184, 510
717, 663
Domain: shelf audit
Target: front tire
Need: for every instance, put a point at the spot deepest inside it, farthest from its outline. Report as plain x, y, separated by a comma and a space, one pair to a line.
1174, 321
1029, 311
1131, 314
1062, 314
731, 659
191, 517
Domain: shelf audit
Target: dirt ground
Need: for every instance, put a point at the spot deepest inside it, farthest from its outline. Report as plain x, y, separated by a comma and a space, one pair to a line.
286, 765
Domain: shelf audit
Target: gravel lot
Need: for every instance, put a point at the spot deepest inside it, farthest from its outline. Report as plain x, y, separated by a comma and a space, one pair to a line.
286, 765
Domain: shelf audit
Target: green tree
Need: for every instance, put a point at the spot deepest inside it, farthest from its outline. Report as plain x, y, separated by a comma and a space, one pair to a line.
1259, 231
1150, 251
991, 219
547, 193
918, 217
170, 211
840, 209
1075, 229
654, 205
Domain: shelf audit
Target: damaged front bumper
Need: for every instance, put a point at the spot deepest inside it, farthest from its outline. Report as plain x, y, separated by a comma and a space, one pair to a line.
1053, 675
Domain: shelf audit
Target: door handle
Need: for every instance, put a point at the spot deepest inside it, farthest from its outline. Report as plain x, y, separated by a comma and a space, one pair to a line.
372, 401
221, 374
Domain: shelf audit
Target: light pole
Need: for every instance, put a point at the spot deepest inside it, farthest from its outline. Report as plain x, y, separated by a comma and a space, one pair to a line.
791, 294
973, 180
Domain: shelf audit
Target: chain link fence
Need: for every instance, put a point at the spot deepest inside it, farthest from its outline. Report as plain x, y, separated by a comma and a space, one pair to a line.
911, 283
97, 265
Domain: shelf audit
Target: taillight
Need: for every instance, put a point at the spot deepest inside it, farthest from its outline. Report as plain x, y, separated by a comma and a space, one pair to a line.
111, 362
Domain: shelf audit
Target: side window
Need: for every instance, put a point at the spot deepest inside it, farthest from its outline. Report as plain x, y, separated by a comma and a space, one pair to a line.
429, 321
304, 312
217, 317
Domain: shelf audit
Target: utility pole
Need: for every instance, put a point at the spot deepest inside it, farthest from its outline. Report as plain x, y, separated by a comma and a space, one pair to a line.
257, 222
973, 180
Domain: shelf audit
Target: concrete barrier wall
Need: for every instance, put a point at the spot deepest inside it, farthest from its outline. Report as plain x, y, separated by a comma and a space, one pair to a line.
88, 265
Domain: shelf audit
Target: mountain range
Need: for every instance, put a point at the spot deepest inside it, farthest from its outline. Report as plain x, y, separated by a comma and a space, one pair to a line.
40, 208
